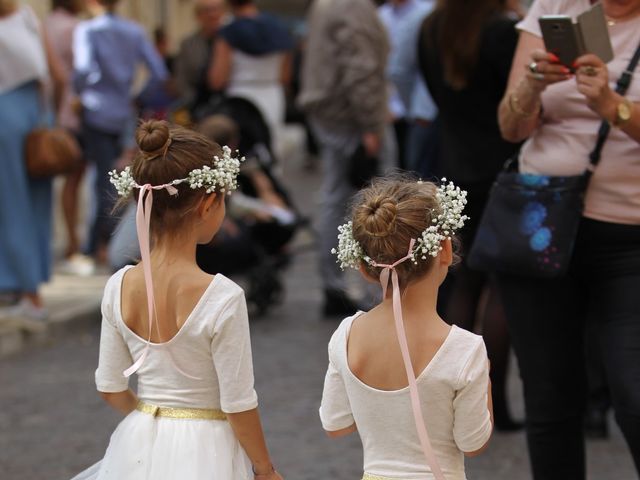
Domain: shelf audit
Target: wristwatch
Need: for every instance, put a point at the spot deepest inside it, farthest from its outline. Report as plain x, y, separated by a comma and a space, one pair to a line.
623, 113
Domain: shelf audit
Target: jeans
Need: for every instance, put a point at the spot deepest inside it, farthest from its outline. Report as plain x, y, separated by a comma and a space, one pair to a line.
422, 149
547, 320
336, 147
102, 148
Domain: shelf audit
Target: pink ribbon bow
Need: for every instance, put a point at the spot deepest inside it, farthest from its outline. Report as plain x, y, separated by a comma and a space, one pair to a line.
390, 270
143, 225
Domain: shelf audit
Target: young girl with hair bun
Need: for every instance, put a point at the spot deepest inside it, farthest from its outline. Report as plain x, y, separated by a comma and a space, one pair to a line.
415, 388
184, 332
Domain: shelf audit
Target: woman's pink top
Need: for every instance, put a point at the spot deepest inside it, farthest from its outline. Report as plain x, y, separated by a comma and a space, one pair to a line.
568, 128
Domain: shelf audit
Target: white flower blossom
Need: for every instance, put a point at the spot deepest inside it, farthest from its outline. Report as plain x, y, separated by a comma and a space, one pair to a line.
221, 178
123, 181
446, 220
349, 252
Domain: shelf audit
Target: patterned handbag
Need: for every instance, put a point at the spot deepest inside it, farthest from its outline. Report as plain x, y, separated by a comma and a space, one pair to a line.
529, 225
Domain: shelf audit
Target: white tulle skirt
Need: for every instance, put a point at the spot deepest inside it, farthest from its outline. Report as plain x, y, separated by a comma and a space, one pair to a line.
144, 447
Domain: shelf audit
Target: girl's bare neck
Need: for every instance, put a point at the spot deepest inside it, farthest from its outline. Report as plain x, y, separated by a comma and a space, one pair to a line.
170, 250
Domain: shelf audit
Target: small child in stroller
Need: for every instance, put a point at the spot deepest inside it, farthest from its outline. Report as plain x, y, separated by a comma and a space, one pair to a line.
261, 220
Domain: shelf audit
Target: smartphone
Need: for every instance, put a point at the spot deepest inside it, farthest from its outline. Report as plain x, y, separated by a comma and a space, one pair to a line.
561, 38
568, 40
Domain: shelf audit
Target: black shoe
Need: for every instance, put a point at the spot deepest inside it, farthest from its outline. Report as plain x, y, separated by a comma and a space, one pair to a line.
595, 424
338, 304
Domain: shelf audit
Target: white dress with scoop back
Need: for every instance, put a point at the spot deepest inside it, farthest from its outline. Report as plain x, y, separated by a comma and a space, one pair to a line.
212, 345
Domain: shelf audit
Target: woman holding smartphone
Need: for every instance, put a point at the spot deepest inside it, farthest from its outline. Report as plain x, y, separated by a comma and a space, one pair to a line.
558, 112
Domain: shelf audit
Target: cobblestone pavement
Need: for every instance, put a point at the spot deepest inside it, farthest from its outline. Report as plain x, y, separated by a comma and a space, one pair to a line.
53, 424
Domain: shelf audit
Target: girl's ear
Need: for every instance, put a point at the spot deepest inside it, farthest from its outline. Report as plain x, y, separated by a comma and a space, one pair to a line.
446, 254
207, 203
366, 275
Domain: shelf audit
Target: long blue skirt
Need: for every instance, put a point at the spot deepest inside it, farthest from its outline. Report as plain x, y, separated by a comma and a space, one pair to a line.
25, 203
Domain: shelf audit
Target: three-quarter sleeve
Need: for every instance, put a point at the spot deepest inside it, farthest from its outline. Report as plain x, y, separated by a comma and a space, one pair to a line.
472, 421
335, 409
114, 356
231, 352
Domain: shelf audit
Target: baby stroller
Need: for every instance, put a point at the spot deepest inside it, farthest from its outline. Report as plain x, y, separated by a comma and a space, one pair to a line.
261, 216
254, 237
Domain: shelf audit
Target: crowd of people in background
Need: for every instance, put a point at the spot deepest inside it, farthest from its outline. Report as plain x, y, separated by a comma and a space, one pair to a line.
440, 88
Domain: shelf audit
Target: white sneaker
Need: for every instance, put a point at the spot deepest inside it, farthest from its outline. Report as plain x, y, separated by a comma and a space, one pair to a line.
78, 265
26, 316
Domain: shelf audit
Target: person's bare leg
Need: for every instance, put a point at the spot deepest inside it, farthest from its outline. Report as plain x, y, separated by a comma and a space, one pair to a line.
34, 298
70, 195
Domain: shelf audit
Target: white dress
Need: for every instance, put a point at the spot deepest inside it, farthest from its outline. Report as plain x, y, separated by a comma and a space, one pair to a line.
212, 345
453, 390
257, 79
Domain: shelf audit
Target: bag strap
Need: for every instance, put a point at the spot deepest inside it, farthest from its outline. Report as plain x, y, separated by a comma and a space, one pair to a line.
603, 132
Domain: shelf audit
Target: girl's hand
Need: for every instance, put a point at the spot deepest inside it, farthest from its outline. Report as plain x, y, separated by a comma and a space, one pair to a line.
273, 475
545, 69
592, 79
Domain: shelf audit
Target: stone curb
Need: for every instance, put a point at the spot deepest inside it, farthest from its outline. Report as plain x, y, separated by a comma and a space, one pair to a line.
14, 340
73, 303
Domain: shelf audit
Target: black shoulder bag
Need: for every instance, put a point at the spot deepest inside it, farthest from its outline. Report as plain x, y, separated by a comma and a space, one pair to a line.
529, 225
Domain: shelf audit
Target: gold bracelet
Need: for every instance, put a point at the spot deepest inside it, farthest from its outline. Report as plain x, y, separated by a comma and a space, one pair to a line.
514, 106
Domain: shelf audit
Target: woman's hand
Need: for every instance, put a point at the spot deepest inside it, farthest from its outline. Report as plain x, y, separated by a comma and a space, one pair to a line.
544, 70
592, 79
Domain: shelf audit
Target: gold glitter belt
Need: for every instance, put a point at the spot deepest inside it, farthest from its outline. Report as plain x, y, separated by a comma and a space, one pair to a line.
369, 476
184, 413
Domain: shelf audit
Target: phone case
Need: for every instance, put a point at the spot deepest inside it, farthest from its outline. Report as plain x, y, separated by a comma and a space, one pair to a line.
595, 33
561, 38
568, 40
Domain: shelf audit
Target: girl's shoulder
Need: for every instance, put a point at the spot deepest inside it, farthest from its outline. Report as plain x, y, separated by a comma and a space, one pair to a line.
114, 283
464, 339
337, 344
468, 351
463, 344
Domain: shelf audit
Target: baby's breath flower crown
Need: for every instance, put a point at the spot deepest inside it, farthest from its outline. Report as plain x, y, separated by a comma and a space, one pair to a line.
447, 220
221, 178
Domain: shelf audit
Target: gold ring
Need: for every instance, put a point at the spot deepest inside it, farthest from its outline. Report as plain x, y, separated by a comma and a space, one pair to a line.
590, 71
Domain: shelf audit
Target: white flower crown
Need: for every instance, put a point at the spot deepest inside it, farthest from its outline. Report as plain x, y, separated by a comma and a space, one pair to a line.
222, 177
451, 201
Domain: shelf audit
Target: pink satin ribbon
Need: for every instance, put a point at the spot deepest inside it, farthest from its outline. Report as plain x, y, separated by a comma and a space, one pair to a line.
390, 270
143, 225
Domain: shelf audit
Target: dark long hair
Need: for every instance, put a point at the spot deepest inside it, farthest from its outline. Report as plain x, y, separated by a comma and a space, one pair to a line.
456, 28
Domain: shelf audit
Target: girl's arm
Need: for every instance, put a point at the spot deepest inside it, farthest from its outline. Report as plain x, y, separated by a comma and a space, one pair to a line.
248, 430
473, 405
220, 68
477, 452
124, 402
343, 432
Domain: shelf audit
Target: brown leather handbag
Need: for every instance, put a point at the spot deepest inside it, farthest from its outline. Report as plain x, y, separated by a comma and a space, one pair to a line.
50, 152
